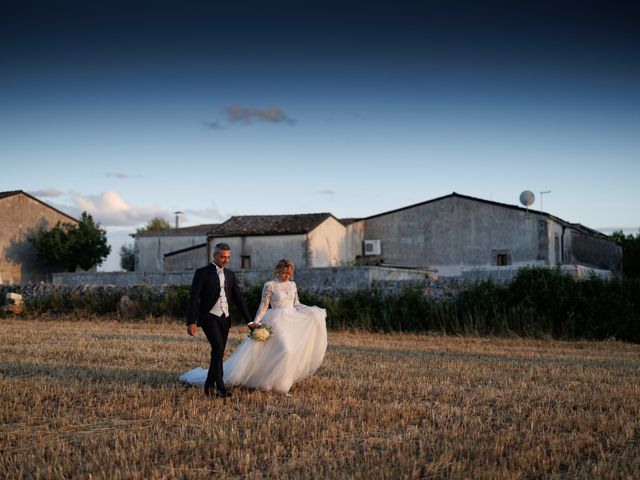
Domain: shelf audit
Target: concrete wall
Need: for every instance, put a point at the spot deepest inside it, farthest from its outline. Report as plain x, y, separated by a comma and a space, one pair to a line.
354, 240
455, 233
265, 250
328, 244
19, 216
595, 252
186, 261
506, 274
122, 279
349, 278
150, 249
554, 243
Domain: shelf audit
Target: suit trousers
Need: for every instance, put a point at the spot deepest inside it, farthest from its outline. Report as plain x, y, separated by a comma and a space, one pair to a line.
216, 330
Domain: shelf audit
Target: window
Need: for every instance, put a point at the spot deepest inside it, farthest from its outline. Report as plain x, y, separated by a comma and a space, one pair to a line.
501, 257
245, 261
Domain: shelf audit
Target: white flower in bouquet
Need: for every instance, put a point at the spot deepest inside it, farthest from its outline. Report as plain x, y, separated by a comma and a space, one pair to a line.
261, 333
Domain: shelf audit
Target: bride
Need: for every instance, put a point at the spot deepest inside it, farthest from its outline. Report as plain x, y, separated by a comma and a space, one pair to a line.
294, 350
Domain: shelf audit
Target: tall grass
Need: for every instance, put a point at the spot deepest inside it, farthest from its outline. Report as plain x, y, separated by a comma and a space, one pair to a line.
540, 302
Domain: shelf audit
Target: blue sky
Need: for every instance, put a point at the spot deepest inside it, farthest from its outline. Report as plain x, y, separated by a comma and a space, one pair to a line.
133, 111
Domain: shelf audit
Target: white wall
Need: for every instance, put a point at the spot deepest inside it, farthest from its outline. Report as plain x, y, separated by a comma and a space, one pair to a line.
265, 250
354, 240
150, 249
328, 244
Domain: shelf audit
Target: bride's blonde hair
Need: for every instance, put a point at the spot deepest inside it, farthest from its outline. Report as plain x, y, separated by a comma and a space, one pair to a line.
282, 264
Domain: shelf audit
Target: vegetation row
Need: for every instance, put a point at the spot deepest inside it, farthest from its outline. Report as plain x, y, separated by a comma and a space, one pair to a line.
540, 302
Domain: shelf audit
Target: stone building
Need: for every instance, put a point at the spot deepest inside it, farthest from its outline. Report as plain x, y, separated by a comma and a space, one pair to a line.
21, 214
456, 232
310, 240
449, 236
151, 249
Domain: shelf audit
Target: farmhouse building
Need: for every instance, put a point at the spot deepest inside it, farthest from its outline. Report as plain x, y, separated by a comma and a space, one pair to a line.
447, 236
20, 215
171, 250
456, 232
310, 240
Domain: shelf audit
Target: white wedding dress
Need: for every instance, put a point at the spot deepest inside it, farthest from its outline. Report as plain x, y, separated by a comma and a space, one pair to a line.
294, 351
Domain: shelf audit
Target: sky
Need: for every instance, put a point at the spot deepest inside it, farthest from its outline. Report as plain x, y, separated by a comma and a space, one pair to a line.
131, 110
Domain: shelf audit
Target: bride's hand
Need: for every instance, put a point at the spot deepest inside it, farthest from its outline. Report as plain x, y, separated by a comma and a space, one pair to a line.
252, 325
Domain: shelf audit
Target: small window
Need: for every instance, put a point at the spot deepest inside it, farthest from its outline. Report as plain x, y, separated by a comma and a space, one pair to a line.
502, 260
245, 261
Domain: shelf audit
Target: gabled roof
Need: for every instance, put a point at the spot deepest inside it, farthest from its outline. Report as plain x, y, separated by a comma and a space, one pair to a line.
243, 225
576, 226
18, 192
183, 231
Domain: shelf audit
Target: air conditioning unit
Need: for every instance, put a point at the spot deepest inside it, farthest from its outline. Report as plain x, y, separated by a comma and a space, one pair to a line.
372, 247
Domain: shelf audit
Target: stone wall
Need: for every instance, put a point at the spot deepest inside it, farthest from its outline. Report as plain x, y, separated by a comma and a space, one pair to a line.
339, 278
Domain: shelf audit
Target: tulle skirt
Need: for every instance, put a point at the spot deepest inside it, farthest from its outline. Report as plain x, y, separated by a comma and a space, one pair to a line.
294, 351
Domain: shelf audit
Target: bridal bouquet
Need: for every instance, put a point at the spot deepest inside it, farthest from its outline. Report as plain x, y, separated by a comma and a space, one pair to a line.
261, 333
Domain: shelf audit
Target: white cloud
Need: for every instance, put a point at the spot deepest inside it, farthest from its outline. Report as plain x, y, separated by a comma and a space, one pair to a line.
109, 209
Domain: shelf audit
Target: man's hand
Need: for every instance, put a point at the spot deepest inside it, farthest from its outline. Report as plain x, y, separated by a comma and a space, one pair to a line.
192, 329
252, 325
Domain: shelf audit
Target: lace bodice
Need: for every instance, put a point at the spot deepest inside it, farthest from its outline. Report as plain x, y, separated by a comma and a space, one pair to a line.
279, 295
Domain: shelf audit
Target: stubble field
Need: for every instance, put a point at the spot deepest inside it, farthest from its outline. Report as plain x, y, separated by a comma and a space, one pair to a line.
100, 399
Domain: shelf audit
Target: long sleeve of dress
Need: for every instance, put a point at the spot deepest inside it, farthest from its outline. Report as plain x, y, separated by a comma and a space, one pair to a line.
296, 299
267, 290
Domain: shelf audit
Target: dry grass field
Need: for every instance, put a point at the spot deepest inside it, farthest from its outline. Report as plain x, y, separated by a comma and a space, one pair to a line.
100, 400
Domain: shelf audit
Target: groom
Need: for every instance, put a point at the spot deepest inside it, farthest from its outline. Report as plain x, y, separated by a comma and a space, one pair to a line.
212, 290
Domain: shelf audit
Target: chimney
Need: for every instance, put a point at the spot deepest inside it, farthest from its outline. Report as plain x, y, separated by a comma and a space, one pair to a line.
178, 218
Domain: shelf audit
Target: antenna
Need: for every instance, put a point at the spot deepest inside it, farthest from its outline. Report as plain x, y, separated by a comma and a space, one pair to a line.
527, 198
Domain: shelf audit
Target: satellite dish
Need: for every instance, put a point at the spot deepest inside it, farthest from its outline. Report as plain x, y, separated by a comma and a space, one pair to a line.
527, 198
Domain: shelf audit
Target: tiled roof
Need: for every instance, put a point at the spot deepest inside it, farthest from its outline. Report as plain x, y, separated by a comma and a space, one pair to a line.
186, 231
270, 224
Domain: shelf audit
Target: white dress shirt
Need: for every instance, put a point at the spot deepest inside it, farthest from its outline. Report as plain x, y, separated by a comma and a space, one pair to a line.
222, 305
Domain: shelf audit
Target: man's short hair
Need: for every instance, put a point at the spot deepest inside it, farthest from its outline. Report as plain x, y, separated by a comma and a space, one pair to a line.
221, 246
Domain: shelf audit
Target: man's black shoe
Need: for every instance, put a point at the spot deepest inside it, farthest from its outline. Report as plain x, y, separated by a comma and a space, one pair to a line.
223, 394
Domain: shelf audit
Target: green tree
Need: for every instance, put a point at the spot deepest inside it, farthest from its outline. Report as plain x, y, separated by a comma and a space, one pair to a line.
127, 258
630, 253
156, 224
68, 245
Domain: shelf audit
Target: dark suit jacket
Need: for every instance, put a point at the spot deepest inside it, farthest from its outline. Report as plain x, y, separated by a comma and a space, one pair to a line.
205, 291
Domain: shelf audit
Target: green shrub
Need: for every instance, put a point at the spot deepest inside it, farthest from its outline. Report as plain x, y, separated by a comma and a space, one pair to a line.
540, 302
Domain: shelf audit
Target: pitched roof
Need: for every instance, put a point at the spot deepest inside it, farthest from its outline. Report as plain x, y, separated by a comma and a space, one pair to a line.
270, 224
183, 231
577, 226
18, 192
